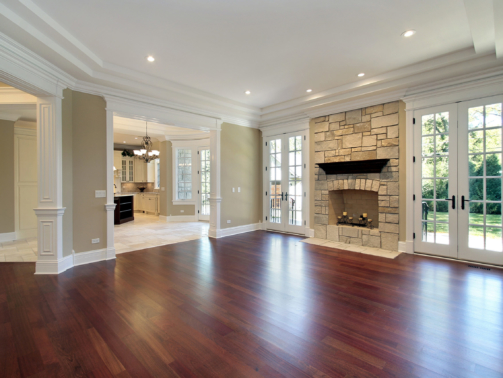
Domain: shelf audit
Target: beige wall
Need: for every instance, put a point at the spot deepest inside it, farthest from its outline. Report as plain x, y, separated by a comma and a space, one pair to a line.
7, 177
67, 123
241, 157
166, 196
402, 171
89, 171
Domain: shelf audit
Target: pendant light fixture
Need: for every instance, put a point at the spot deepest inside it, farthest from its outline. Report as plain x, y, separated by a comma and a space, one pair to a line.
146, 153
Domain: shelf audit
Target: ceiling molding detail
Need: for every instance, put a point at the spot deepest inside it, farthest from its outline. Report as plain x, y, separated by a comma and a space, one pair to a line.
176, 104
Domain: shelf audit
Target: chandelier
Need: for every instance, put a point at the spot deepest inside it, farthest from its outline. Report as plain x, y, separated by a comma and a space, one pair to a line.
146, 153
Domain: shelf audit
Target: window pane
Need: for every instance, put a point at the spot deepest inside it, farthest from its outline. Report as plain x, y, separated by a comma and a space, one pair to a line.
493, 115
442, 122
493, 189
476, 141
493, 165
427, 124
476, 117
476, 189
476, 165
493, 140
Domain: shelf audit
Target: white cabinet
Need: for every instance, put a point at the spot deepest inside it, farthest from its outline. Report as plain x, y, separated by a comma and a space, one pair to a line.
127, 169
147, 202
144, 172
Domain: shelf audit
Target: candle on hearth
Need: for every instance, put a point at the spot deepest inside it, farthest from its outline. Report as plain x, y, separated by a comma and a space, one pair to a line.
344, 213
350, 218
370, 220
360, 218
339, 217
365, 215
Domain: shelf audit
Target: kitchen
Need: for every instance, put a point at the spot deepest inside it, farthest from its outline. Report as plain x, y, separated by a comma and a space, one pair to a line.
136, 181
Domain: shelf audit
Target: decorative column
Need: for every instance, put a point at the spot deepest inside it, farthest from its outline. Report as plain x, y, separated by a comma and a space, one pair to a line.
110, 205
215, 194
50, 208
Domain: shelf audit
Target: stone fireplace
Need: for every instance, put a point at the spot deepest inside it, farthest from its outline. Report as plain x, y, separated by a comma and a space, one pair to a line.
364, 134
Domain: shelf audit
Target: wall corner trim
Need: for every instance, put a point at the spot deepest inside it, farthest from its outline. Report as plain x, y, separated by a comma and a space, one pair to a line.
235, 230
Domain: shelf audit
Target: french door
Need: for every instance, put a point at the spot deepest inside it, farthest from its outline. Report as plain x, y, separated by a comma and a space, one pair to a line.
285, 182
204, 190
458, 154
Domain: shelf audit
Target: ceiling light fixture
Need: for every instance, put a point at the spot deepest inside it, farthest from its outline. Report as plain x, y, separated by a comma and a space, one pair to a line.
309, 90
146, 153
150, 58
408, 33
124, 142
247, 92
361, 74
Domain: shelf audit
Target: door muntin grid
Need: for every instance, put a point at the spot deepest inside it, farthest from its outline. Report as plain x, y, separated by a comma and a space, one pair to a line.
275, 180
131, 170
124, 170
205, 182
484, 177
435, 177
295, 191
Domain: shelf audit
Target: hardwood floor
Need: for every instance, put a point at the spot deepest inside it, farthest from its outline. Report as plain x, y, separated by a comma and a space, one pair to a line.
258, 304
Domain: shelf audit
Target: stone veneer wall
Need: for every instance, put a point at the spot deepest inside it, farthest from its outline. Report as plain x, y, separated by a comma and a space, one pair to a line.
362, 134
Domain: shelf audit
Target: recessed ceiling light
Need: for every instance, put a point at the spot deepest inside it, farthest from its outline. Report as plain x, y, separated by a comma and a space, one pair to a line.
124, 141
150, 58
309, 90
247, 92
361, 74
408, 33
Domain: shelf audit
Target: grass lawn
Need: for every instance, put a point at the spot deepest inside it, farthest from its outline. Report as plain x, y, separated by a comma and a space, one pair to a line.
491, 220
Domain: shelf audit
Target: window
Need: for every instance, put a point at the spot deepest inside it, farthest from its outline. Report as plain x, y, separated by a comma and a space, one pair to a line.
157, 179
184, 174
205, 182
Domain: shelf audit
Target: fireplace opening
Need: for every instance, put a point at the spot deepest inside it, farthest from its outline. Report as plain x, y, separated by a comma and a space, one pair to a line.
355, 203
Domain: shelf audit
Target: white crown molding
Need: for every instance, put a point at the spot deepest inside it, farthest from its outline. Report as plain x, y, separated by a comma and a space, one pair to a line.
467, 87
285, 126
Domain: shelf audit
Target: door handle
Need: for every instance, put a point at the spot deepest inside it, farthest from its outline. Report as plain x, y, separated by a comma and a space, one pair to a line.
453, 199
286, 196
463, 200
282, 196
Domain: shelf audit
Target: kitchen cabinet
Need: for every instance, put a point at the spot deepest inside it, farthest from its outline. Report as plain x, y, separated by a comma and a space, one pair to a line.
124, 209
147, 202
127, 167
144, 172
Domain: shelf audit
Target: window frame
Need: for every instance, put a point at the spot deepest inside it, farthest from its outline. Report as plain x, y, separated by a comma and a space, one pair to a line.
194, 146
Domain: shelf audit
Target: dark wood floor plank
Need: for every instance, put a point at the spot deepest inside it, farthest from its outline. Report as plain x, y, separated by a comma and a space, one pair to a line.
258, 304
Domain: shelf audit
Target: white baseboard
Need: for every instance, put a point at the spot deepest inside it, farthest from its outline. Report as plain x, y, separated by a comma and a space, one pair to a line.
75, 259
406, 246
7, 237
179, 218
54, 267
310, 232
222, 233
83, 258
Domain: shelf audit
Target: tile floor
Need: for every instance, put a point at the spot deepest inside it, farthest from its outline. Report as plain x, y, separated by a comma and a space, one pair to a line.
144, 232
19, 250
149, 231
353, 248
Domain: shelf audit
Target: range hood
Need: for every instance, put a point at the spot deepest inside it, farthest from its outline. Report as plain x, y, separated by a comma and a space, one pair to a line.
357, 166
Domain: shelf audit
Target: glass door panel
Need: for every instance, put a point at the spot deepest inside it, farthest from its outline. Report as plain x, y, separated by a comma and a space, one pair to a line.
435, 181
275, 188
205, 184
295, 192
480, 147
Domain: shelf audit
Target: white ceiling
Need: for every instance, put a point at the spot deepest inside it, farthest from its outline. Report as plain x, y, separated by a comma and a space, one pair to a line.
218, 49
132, 131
